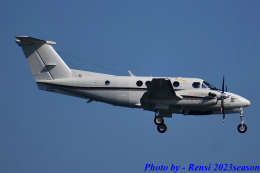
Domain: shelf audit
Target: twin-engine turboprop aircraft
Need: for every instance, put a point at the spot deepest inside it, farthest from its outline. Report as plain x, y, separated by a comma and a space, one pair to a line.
162, 95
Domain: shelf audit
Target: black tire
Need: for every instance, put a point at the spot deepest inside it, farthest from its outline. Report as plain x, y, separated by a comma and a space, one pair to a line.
242, 129
161, 128
158, 120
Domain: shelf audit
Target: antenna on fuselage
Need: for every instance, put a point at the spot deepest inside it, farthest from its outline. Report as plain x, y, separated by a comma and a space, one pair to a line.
130, 73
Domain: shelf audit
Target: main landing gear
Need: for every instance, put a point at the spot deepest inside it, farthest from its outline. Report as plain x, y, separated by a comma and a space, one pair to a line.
242, 127
159, 121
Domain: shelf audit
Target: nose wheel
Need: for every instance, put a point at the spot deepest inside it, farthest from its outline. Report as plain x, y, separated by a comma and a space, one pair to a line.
242, 128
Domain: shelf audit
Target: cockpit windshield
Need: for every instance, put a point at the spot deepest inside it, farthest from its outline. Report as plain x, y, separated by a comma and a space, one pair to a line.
208, 85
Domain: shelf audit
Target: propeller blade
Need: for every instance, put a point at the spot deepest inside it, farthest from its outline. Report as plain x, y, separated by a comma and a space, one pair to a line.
223, 84
222, 110
222, 106
223, 96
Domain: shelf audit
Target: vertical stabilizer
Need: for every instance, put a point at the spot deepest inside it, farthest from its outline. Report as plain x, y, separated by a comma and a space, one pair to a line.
43, 60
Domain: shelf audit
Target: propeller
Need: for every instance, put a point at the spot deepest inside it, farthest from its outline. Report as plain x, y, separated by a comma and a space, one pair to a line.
223, 96
222, 100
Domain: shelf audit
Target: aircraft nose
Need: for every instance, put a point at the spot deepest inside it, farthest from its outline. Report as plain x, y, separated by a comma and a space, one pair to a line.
246, 102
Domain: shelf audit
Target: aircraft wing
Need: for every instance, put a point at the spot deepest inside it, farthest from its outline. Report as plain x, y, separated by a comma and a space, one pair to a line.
158, 89
161, 89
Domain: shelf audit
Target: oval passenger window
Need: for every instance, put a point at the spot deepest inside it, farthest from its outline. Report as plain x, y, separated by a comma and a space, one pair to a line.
147, 83
107, 82
139, 83
176, 84
196, 85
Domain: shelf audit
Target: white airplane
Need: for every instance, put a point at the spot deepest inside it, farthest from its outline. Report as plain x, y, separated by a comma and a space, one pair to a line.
162, 95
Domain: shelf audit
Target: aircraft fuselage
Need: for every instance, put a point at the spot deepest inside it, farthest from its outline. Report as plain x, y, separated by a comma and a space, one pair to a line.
124, 91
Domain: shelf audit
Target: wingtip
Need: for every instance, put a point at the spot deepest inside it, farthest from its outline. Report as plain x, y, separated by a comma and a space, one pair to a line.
21, 36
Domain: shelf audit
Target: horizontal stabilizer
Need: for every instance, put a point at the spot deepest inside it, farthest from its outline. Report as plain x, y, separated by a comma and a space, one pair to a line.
31, 40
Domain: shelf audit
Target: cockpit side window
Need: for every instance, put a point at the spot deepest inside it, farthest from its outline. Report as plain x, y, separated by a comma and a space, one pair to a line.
196, 85
208, 85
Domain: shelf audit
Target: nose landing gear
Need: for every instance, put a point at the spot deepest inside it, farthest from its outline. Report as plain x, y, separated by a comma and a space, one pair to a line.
242, 128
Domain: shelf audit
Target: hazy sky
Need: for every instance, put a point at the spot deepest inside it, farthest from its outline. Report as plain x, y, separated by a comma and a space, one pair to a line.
46, 132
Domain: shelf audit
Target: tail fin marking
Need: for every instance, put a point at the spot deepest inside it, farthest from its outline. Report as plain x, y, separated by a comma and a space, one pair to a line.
43, 60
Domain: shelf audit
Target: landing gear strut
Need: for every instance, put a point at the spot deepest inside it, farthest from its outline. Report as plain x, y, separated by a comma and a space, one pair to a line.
242, 128
159, 121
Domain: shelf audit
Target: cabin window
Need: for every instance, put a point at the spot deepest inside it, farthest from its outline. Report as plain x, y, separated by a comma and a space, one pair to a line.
139, 83
107, 82
196, 85
176, 84
147, 83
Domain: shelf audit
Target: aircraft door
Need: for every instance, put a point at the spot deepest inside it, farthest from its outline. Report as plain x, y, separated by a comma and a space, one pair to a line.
123, 91
100, 94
